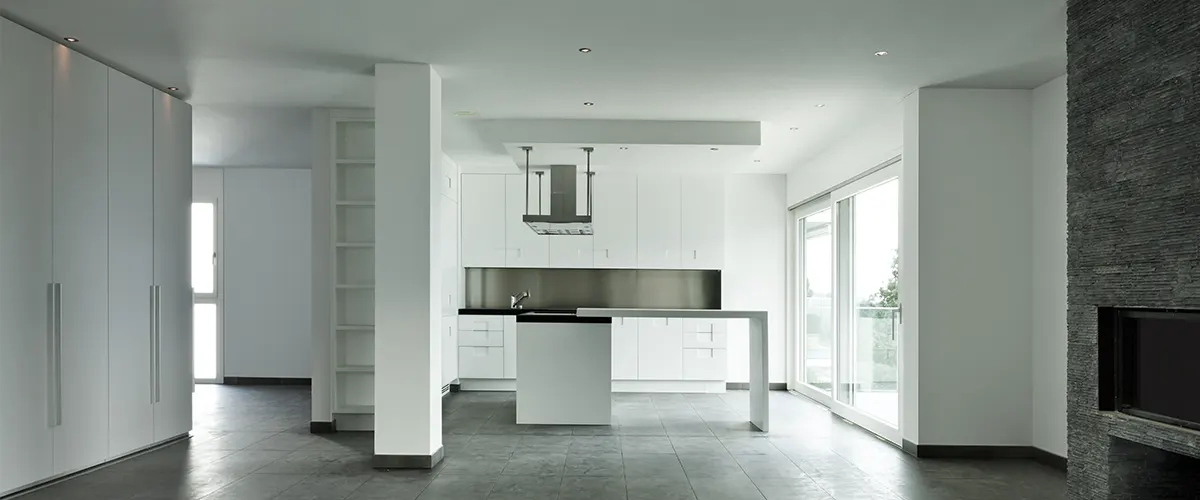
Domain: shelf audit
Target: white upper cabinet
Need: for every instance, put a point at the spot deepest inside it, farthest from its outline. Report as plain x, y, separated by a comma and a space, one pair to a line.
449, 252
483, 218
81, 258
574, 251
703, 223
449, 179
615, 221
26, 104
523, 247
658, 222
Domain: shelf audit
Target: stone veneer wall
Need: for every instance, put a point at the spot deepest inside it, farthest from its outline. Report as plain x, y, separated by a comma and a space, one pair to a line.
1133, 209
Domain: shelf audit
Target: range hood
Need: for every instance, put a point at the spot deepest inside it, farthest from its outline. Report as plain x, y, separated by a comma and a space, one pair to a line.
562, 219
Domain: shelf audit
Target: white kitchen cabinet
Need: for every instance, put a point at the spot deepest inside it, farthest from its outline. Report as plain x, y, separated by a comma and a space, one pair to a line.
476, 338
702, 224
481, 362
483, 216
130, 262
523, 247
449, 181
172, 206
449, 349
615, 221
704, 364
660, 349
510, 347
658, 222
576, 251
479, 323
449, 253
26, 97
81, 259
625, 348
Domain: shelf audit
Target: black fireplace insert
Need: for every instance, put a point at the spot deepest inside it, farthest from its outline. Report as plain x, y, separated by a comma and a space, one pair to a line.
1150, 364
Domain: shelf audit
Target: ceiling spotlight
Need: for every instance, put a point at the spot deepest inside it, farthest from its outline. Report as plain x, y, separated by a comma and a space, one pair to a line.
589, 103
624, 148
794, 128
757, 161
466, 113
71, 39
820, 105
881, 53
714, 149
173, 89
585, 50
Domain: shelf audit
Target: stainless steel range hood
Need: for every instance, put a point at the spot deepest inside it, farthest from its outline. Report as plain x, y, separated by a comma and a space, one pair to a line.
562, 219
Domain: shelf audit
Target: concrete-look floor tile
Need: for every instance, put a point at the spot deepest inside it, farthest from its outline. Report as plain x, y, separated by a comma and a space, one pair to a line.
301, 462
459, 488
769, 466
749, 446
652, 465
583, 445
784, 488
389, 487
545, 444
646, 444
284, 441
698, 445
659, 488
489, 466
726, 488
713, 466
526, 488
257, 487
244, 462
323, 488
592, 488
599, 465
235, 440
535, 464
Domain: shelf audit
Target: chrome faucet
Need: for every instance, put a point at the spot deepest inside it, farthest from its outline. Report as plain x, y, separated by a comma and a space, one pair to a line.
514, 301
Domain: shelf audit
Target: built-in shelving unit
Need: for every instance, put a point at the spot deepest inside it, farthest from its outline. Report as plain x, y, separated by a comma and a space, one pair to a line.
353, 223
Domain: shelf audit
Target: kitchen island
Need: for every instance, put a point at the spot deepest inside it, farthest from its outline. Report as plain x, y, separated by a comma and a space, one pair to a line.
759, 407
565, 369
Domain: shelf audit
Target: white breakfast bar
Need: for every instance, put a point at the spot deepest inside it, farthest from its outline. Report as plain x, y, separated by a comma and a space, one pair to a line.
759, 407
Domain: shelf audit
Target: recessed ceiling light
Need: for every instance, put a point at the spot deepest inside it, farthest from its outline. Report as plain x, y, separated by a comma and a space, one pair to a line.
794, 128
624, 148
714, 149
466, 113
757, 161
820, 105
172, 89
585, 50
881, 53
589, 103
71, 39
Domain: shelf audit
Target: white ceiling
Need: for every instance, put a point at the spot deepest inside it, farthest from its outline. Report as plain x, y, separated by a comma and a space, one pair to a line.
767, 61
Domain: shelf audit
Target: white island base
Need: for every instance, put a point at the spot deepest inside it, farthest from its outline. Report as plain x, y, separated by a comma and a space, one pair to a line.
565, 374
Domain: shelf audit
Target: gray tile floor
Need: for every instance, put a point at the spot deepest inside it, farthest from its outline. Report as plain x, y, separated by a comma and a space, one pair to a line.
252, 443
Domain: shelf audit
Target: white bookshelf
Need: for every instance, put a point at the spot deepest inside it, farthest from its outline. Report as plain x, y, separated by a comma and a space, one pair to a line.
353, 229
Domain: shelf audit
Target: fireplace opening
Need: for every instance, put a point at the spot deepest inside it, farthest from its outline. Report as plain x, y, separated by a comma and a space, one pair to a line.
1150, 364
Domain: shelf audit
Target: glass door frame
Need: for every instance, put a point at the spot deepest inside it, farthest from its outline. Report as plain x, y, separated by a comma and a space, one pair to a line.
842, 255
214, 298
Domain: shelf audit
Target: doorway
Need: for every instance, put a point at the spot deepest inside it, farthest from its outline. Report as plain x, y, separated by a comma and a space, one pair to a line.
206, 285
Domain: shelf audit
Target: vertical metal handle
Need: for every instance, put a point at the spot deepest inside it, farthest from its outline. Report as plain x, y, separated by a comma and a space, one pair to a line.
153, 344
693, 255
157, 343
58, 352
51, 357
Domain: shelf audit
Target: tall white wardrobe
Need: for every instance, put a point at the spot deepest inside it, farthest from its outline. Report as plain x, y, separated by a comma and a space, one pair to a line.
95, 293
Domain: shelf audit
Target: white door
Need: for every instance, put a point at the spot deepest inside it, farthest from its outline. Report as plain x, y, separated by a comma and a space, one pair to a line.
615, 221
523, 247
482, 216
130, 262
81, 258
574, 252
26, 454
660, 349
625, 349
172, 203
658, 222
703, 222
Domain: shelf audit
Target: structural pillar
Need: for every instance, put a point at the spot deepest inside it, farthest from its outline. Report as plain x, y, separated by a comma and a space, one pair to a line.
408, 360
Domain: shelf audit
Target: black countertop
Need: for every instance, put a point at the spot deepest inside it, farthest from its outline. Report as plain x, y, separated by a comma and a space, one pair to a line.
509, 312
535, 317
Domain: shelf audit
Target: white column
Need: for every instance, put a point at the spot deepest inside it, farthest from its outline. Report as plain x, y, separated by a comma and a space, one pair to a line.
408, 149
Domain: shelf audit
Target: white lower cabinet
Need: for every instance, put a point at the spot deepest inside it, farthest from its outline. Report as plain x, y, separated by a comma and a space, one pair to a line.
704, 364
660, 349
625, 349
510, 347
487, 347
481, 362
449, 349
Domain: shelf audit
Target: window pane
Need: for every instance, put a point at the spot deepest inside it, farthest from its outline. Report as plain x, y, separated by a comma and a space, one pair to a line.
818, 300
875, 321
204, 247
204, 323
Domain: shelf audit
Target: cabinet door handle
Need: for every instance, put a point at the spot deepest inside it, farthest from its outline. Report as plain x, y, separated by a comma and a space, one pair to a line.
153, 345
157, 343
51, 356
693, 255
58, 417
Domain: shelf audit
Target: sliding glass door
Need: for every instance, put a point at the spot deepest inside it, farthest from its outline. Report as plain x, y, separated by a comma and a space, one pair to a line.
847, 309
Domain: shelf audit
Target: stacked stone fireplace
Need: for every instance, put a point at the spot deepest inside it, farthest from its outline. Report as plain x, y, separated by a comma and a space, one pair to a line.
1133, 217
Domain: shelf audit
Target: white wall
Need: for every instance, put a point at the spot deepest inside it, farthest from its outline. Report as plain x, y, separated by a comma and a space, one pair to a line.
879, 139
267, 272
974, 365
1049, 297
755, 274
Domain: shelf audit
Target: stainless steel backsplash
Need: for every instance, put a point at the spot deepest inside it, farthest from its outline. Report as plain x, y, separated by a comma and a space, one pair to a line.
572, 288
